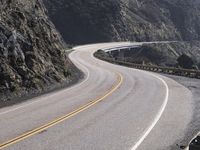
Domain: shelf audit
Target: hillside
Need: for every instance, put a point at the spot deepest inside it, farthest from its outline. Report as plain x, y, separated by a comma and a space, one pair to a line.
184, 55
115, 20
95, 21
32, 59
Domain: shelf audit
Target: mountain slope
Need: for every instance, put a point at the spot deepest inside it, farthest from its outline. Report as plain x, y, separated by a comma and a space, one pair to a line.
83, 21
32, 59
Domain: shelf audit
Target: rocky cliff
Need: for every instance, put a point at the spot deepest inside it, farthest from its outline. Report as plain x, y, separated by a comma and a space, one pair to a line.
32, 59
84, 21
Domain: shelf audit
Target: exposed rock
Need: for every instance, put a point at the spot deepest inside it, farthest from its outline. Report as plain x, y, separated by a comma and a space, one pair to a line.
178, 54
185, 61
31, 50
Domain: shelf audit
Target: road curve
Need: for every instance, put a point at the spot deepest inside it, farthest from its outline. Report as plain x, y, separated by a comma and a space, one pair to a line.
113, 108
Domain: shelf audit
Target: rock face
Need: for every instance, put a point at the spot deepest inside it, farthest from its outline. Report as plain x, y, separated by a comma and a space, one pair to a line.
84, 21
185, 61
31, 50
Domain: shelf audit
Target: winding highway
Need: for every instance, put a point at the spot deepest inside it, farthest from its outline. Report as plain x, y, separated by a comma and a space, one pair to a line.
113, 108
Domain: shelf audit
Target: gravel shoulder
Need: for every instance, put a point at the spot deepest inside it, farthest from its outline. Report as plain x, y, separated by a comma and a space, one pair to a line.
194, 86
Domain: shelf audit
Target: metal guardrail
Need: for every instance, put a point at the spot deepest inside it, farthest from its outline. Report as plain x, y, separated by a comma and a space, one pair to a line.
166, 70
119, 48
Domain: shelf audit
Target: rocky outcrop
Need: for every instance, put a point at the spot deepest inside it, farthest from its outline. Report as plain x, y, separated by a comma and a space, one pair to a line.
115, 20
32, 56
178, 54
185, 61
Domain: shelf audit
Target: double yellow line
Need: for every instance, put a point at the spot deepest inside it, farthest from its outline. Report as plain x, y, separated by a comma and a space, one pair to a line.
65, 117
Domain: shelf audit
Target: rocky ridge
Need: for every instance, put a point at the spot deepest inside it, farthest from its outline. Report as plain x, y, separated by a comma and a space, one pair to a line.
32, 56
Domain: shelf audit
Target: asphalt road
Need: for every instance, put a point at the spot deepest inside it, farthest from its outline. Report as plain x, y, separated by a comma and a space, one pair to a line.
113, 108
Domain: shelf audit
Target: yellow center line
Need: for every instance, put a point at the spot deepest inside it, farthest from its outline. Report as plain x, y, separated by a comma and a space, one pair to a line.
65, 117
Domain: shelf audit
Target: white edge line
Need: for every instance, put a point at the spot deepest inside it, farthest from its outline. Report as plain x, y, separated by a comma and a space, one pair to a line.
158, 116
146, 133
67, 89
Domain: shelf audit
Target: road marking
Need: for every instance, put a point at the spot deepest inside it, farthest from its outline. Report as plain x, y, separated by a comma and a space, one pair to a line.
63, 118
158, 116
39, 100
